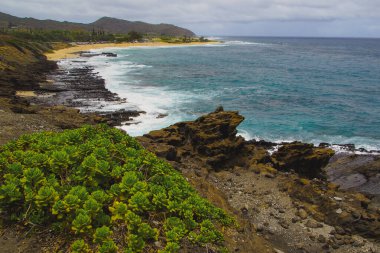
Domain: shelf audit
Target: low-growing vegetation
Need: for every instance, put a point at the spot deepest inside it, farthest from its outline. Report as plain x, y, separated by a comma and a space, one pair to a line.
15, 52
99, 186
41, 35
67, 36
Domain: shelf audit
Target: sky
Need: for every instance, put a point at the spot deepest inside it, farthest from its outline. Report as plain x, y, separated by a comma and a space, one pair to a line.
309, 18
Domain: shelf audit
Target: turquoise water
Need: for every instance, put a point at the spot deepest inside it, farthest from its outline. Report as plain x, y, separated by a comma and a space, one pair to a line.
313, 90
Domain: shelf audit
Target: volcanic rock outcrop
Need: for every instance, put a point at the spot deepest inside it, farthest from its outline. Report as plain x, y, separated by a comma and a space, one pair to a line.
303, 158
211, 138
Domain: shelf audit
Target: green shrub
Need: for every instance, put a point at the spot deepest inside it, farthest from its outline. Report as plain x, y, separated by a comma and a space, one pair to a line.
100, 185
102, 234
79, 246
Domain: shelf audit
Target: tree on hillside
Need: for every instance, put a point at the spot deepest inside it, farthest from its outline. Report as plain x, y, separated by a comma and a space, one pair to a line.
134, 36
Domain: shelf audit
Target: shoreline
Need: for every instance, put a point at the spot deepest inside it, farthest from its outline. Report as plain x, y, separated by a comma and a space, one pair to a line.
73, 51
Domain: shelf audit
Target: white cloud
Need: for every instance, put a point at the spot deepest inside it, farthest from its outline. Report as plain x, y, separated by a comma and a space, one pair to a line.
197, 12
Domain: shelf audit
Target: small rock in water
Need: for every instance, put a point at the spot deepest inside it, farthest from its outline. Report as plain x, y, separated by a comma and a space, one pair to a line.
339, 211
161, 115
219, 109
338, 199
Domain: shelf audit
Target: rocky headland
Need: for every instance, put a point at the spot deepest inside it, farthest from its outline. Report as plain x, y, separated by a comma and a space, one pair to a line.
284, 197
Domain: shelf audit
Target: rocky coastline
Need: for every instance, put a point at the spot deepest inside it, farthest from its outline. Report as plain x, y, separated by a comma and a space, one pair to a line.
284, 197
45, 96
298, 198
77, 85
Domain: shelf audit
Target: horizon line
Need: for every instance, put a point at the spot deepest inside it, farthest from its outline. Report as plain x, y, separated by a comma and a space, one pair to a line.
293, 36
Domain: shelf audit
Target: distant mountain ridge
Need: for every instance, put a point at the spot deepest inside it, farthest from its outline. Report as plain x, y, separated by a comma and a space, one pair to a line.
108, 24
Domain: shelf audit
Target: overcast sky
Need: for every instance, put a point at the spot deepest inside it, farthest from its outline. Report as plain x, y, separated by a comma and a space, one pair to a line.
327, 18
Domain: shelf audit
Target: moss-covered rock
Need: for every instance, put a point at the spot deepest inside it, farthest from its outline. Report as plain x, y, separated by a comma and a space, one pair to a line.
305, 159
211, 137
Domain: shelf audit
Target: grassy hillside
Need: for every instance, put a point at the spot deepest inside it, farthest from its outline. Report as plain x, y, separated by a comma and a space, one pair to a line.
115, 25
22, 63
110, 25
16, 53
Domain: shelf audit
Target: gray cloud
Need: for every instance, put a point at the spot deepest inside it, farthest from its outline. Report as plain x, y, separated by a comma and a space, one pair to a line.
218, 16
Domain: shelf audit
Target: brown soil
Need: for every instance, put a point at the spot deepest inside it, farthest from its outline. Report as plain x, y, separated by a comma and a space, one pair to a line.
17, 119
19, 239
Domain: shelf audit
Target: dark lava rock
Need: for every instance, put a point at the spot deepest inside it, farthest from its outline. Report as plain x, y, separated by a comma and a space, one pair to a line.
116, 118
348, 147
109, 54
211, 137
161, 115
305, 159
89, 54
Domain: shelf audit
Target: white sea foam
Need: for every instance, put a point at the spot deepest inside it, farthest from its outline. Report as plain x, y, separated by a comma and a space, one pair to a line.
159, 103
238, 42
337, 143
152, 47
245, 134
213, 38
360, 143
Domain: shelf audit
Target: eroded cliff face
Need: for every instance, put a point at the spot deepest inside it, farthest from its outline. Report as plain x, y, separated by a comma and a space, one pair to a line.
283, 197
22, 65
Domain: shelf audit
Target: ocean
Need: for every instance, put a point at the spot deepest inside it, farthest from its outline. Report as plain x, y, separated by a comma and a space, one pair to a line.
308, 89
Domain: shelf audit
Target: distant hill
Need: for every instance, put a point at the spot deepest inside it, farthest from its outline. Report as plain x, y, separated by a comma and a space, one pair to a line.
115, 25
112, 25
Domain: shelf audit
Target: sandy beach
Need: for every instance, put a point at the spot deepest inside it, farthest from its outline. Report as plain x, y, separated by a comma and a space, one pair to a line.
72, 52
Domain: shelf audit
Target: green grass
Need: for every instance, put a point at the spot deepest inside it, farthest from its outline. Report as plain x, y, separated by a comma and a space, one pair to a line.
16, 54
110, 194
